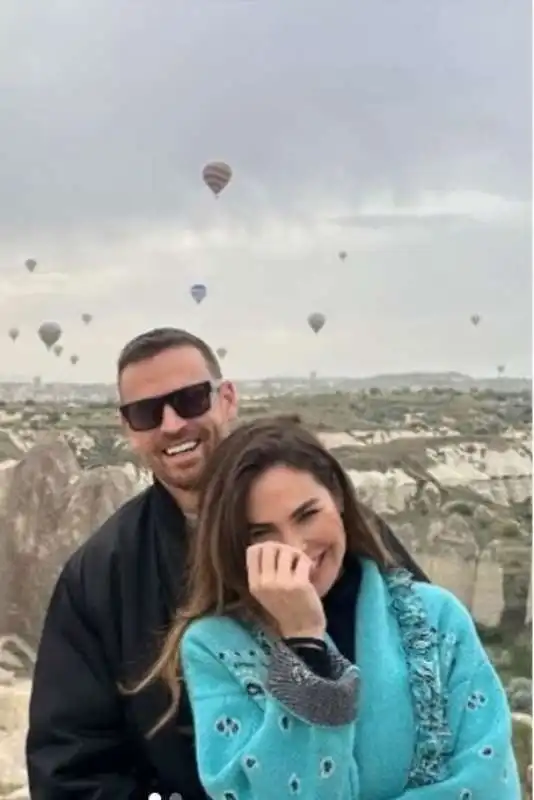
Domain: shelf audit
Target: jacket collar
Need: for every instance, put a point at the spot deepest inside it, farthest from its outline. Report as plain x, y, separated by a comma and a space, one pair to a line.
170, 532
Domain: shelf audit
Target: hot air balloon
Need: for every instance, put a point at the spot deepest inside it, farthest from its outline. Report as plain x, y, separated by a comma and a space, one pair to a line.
87, 318
316, 321
221, 352
501, 368
30, 264
198, 292
13, 334
216, 175
74, 360
475, 319
49, 333
58, 350
342, 255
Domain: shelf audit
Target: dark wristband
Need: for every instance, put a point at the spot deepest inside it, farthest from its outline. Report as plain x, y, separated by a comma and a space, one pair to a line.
313, 652
306, 641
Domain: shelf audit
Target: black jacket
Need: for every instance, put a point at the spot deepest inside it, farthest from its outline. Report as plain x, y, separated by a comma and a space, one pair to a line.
114, 598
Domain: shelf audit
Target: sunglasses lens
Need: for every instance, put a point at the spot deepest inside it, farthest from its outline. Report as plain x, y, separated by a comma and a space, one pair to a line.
144, 415
188, 403
192, 401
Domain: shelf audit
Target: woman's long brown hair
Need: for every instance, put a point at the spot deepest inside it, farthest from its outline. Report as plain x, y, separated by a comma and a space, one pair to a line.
217, 576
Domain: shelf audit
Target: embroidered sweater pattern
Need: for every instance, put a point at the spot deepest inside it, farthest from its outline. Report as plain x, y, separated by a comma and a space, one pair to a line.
420, 715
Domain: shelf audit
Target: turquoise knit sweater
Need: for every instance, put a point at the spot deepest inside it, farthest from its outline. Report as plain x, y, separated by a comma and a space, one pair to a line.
423, 715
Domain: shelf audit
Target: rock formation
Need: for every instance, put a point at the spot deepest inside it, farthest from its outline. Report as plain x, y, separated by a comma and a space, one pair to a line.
465, 536
50, 507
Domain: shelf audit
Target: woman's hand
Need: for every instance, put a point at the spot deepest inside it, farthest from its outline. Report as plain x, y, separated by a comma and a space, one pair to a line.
279, 579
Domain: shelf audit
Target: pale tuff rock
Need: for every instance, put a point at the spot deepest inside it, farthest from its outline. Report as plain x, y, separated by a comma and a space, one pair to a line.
14, 701
7, 677
387, 492
37, 495
14, 704
93, 497
19, 794
16, 656
6, 474
501, 476
50, 507
390, 491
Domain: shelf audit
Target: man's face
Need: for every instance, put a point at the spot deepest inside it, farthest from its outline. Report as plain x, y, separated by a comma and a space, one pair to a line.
177, 449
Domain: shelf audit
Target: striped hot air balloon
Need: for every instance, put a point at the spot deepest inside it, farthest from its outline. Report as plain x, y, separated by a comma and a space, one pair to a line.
216, 175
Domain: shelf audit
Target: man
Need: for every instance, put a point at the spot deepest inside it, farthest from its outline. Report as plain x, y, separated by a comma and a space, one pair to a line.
118, 592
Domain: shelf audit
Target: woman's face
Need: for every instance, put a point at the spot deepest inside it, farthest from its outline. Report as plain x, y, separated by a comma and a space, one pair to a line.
289, 506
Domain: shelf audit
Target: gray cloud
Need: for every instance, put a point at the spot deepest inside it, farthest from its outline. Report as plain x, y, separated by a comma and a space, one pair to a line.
325, 111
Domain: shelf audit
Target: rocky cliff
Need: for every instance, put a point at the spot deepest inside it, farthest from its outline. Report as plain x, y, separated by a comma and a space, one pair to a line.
463, 509
455, 504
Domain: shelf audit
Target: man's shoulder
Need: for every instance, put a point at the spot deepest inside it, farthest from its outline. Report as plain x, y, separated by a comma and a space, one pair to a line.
116, 535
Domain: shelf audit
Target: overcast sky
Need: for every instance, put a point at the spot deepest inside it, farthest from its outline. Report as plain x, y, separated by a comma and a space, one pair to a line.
397, 130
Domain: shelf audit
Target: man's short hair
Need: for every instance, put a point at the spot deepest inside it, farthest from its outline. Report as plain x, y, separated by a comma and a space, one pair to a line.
152, 343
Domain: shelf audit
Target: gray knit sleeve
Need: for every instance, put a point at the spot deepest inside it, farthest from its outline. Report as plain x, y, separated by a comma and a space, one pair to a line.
320, 701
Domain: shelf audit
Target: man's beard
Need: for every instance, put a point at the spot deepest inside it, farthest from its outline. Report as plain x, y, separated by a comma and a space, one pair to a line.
193, 482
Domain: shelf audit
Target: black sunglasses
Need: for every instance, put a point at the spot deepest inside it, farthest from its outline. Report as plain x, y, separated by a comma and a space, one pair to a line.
188, 402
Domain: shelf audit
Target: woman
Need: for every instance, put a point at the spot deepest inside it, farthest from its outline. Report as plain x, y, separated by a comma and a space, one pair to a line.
420, 714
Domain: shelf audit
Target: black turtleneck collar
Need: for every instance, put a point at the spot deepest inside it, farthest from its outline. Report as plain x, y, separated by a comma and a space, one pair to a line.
340, 607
